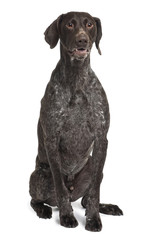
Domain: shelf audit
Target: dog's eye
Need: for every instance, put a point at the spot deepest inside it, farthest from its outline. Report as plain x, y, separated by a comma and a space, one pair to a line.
70, 25
89, 25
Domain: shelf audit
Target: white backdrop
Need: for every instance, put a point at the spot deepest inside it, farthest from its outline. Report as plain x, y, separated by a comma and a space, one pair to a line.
129, 72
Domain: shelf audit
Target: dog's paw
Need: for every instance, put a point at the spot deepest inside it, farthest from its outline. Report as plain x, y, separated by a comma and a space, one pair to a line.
93, 224
110, 209
44, 212
68, 221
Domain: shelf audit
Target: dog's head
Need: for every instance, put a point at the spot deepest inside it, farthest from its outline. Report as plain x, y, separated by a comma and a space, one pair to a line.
77, 32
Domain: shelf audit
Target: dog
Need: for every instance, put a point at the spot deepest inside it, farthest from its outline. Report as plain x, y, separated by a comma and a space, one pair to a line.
72, 128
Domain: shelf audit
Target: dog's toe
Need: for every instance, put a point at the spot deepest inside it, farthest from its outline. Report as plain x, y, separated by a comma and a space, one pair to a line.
45, 212
110, 209
41, 210
93, 224
68, 221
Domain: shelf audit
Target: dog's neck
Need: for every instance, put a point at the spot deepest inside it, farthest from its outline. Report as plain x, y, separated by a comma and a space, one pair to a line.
74, 70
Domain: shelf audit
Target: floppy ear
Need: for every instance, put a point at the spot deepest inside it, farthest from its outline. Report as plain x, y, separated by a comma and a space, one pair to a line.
52, 33
99, 34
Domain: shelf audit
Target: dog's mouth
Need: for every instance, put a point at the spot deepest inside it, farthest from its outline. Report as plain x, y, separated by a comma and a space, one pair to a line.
79, 52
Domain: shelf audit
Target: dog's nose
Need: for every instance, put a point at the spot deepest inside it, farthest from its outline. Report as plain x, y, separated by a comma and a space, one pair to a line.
81, 40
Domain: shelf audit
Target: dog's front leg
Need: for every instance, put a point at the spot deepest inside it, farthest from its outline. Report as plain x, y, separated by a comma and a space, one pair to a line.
67, 218
93, 222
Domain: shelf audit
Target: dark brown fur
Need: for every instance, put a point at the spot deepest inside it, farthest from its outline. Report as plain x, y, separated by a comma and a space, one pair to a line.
73, 123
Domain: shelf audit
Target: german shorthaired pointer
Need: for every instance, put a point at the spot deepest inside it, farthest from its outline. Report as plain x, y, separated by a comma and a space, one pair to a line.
72, 128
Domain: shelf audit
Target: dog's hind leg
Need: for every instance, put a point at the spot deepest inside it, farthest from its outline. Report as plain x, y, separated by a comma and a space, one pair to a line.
41, 191
108, 209
41, 210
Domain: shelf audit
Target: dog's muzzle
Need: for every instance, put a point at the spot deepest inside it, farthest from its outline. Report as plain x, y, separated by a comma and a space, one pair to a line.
82, 43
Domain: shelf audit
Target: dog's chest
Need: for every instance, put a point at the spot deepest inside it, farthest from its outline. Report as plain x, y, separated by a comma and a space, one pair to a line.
77, 133
81, 113
78, 114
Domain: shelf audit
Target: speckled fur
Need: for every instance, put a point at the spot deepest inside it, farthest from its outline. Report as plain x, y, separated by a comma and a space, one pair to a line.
72, 129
